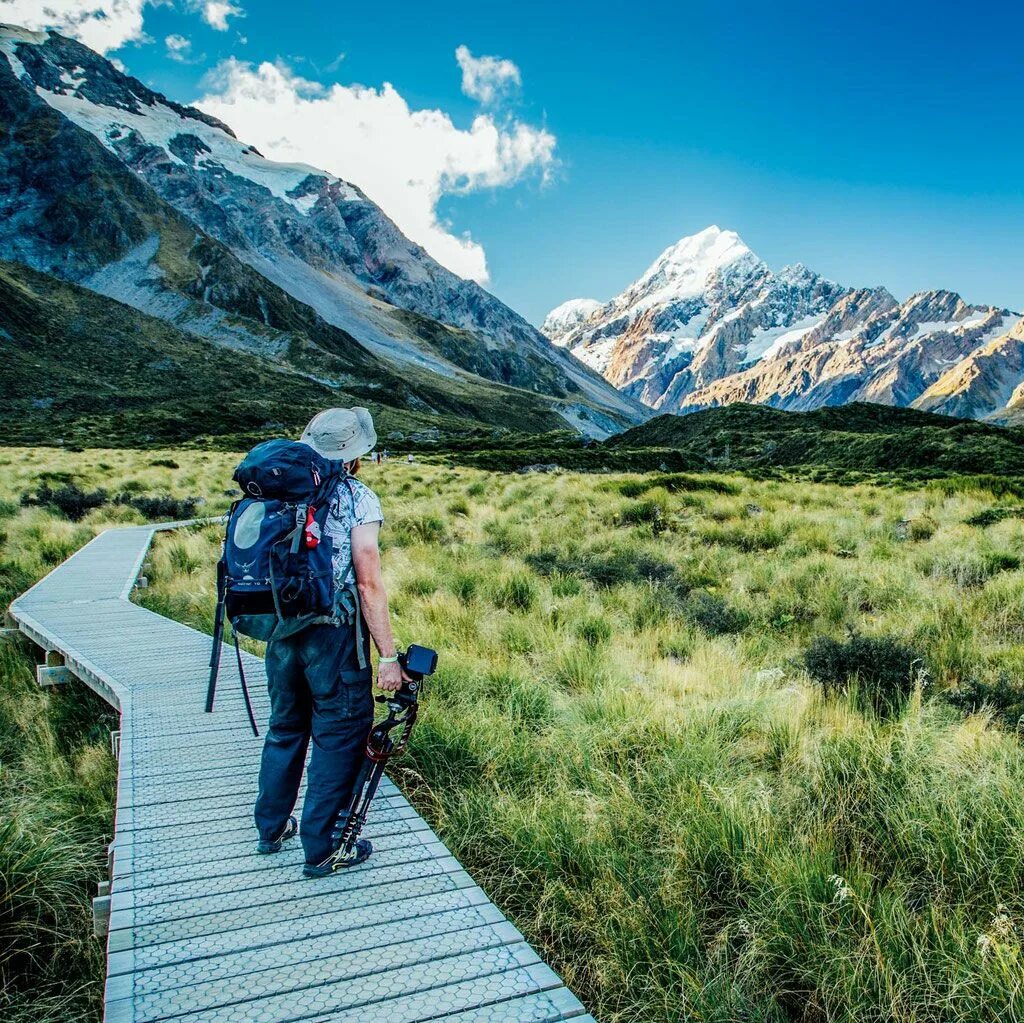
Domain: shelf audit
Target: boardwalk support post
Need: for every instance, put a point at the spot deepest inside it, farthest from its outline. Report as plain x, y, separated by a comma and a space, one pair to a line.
101, 911
115, 744
53, 672
10, 627
141, 582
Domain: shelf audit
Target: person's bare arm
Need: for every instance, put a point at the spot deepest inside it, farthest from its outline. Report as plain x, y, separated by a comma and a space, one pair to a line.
374, 600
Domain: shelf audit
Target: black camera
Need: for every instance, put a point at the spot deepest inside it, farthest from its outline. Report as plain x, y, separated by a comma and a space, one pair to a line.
417, 662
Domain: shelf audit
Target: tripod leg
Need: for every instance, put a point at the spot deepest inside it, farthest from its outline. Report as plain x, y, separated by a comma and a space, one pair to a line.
360, 806
218, 634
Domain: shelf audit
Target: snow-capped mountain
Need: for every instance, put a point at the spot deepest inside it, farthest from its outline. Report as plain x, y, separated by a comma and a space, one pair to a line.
317, 238
706, 307
709, 323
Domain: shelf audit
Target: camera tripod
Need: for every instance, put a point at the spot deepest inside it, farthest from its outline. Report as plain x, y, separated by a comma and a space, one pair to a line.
381, 745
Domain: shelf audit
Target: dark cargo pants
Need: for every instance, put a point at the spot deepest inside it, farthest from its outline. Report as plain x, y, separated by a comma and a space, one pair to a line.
317, 691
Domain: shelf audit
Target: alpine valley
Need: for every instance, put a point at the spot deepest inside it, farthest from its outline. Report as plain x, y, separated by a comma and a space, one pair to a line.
709, 324
159, 278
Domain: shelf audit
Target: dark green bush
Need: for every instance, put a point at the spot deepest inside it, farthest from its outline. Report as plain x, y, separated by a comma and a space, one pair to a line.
69, 499
713, 615
162, 508
676, 482
606, 568
1004, 697
990, 516
164, 463
74, 503
881, 669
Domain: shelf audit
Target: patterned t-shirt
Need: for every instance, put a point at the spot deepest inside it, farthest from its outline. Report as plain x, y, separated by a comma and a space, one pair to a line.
354, 504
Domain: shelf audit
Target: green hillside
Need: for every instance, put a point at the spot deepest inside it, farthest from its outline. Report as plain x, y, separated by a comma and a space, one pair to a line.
860, 436
84, 369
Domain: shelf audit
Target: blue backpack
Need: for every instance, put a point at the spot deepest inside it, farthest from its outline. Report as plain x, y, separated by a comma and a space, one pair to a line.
276, 573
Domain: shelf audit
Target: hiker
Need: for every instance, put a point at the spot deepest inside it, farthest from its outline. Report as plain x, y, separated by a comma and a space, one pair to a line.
317, 688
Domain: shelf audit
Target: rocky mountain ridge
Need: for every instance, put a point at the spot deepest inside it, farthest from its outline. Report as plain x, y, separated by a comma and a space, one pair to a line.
709, 324
108, 184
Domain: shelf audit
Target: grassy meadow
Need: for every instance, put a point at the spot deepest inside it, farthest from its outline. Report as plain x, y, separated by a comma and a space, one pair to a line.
638, 741
57, 776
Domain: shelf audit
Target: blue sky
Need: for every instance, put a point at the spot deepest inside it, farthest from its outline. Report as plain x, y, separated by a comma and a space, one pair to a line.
877, 143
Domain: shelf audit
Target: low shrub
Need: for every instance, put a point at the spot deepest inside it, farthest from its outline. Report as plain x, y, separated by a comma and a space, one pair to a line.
883, 670
1004, 697
163, 508
676, 482
710, 613
69, 499
922, 528
990, 516
606, 567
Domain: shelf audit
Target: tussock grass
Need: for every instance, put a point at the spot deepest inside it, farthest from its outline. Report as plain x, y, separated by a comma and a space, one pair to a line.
622, 743
57, 776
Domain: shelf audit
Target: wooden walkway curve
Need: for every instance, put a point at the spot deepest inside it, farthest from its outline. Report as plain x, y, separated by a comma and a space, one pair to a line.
201, 928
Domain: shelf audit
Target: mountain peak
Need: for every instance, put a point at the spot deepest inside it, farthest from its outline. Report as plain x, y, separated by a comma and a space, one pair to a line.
683, 269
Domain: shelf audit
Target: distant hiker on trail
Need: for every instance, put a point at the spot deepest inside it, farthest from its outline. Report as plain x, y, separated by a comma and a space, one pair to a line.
320, 677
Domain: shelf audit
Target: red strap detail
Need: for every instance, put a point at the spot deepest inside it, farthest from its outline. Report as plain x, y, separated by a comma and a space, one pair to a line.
312, 528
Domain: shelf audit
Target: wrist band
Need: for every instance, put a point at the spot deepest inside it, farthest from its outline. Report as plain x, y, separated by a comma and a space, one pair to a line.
388, 660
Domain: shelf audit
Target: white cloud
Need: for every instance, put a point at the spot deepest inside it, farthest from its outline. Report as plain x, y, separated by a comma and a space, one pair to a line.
487, 79
105, 25
101, 24
216, 12
404, 159
178, 47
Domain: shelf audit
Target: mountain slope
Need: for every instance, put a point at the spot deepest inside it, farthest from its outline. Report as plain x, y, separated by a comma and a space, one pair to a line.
989, 378
705, 308
72, 207
319, 239
708, 324
83, 368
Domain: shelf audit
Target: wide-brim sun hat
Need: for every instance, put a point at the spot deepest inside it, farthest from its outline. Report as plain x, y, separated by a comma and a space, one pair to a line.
341, 434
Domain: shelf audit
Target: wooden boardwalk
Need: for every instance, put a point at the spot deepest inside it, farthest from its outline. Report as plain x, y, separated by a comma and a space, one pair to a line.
203, 929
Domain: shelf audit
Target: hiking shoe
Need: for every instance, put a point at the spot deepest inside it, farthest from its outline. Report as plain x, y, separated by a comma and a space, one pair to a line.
339, 860
267, 846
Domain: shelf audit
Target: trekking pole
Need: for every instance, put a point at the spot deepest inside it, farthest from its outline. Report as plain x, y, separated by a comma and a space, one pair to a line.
403, 705
245, 687
218, 636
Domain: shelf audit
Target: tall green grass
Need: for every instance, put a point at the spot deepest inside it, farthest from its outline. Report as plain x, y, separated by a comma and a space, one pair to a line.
623, 746
622, 743
57, 776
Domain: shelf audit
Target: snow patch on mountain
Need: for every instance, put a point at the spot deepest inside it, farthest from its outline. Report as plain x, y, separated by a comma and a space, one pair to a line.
159, 125
683, 269
767, 344
568, 315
